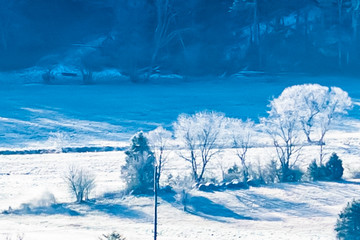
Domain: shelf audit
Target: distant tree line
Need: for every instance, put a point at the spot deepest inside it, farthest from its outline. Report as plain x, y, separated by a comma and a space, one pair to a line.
189, 38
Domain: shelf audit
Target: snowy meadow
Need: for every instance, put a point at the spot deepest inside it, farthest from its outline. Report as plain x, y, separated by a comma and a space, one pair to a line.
173, 120
234, 157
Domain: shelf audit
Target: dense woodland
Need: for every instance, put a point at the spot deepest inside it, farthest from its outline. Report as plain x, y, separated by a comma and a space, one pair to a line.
189, 38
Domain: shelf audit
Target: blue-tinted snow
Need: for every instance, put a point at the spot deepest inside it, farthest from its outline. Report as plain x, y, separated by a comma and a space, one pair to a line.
34, 115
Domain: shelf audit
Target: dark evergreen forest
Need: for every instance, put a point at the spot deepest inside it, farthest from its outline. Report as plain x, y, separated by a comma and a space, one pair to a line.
189, 38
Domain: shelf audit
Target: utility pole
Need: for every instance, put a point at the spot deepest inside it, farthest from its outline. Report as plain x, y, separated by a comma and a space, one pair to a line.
155, 201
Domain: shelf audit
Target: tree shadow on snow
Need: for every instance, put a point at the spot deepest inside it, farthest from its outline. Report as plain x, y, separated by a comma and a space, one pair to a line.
169, 197
53, 209
262, 203
206, 208
350, 182
117, 210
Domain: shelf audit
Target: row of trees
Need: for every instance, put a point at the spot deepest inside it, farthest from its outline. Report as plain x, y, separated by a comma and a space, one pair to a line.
198, 37
299, 117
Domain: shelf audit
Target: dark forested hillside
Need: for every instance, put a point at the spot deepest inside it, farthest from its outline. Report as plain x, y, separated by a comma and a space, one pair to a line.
191, 37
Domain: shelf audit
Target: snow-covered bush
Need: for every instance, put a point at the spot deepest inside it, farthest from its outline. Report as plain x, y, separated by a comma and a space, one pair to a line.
348, 223
182, 186
138, 170
18, 237
159, 140
112, 236
331, 171
257, 174
234, 173
268, 174
264, 174
200, 136
80, 183
183, 191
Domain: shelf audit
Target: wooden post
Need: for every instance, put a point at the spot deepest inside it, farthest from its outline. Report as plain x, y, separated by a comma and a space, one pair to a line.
155, 202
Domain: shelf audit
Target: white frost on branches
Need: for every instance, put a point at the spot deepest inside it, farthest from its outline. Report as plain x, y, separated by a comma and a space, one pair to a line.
304, 113
159, 140
201, 135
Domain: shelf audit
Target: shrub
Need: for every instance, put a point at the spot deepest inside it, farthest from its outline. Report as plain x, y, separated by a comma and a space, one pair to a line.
112, 236
331, 171
348, 223
139, 167
271, 172
355, 174
334, 168
234, 173
292, 175
313, 169
80, 183
259, 175
48, 76
182, 186
316, 172
18, 237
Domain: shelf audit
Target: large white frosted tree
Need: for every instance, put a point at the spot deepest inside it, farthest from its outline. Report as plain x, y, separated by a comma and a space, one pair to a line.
315, 107
200, 136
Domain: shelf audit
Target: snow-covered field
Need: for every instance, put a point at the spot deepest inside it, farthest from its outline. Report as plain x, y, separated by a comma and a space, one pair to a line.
35, 116
33, 186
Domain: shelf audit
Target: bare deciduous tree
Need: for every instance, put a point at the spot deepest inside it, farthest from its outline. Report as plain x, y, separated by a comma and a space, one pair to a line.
80, 183
158, 142
241, 135
200, 136
285, 134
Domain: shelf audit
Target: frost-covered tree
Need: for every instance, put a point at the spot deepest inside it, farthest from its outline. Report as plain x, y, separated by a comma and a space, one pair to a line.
80, 183
158, 142
112, 236
241, 134
200, 136
138, 170
315, 107
283, 128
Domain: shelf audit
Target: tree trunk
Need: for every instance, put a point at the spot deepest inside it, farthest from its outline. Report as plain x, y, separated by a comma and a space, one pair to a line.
321, 153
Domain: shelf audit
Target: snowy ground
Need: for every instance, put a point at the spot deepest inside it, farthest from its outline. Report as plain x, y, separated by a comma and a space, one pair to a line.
279, 211
34, 116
